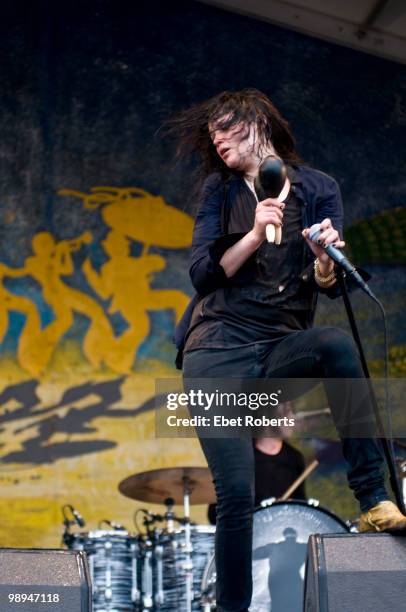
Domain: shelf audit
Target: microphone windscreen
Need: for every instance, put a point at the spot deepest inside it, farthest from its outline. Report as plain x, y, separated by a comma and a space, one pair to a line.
271, 178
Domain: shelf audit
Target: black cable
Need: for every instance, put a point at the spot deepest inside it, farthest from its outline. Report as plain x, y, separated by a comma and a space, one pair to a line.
386, 441
386, 372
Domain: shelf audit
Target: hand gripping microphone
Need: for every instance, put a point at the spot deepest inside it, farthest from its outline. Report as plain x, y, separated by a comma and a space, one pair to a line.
339, 257
270, 183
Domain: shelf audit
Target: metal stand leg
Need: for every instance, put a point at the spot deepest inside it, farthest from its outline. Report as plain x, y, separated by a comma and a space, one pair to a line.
188, 565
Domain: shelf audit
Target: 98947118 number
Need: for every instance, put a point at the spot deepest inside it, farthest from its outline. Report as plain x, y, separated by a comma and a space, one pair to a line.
34, 598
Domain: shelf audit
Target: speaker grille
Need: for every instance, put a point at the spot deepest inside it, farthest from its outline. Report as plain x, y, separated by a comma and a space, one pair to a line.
44, 580
356, 573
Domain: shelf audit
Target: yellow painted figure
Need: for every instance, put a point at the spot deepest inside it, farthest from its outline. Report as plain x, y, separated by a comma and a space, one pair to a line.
29, 349
52, 260
139, 215
131, 214
126, 280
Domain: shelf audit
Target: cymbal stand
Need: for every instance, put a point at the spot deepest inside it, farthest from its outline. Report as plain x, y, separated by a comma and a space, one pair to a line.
188, 565
169, 515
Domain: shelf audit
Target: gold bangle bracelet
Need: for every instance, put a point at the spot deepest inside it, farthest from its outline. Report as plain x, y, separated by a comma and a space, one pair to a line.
324, 281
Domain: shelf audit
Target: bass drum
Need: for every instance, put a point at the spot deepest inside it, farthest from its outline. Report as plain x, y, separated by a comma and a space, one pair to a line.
280, 534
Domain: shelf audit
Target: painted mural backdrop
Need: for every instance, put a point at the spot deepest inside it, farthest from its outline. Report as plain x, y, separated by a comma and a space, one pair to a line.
95, 230
72, 399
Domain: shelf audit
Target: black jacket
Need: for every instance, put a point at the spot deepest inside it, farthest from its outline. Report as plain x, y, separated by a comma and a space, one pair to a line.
320, 197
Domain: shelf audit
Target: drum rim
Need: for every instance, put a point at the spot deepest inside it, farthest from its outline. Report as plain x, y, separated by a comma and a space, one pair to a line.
101, 533
303, 502
200, 528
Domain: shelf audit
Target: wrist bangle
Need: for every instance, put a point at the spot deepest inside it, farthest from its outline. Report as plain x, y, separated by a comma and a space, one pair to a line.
324, 281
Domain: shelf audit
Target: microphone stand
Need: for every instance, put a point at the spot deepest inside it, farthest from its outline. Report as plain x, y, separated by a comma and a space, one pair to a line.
393, 477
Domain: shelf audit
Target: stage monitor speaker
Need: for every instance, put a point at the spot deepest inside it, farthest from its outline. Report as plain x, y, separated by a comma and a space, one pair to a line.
355, 573
40, 580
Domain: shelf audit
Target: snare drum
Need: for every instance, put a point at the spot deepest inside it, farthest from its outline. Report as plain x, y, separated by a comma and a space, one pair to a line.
170, 567
115, 567
280, 534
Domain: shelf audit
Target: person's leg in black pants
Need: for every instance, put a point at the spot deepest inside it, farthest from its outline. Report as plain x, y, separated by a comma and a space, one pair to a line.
330, 353
231, 461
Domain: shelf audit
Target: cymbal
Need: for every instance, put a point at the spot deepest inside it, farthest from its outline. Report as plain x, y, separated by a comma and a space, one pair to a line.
155, 486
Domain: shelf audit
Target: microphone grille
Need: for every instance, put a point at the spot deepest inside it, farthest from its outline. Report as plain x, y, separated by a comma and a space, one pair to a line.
314, 231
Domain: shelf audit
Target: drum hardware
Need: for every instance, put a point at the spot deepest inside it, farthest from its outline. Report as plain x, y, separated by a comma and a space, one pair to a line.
352, 525
169, 514
403, 475
159, 553
401, 465
112, 524
135, 591
174, 571
151, 518
147, 585
69, 522
108, 592
172, 485
188, 565
267, 502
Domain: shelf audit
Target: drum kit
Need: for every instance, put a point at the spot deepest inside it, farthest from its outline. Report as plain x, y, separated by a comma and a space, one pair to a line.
169, 565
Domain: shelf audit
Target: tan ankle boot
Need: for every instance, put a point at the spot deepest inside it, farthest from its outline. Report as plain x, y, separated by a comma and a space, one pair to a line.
385, 516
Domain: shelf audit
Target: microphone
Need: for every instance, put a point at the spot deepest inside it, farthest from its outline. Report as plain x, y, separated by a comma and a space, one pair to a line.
79, 520
113, 525
339, 257
270, 183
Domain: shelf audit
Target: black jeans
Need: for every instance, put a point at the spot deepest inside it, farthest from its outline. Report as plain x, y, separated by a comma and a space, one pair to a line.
324, 352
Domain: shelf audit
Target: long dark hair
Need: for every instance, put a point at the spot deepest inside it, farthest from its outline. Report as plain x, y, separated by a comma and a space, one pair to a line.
248, 106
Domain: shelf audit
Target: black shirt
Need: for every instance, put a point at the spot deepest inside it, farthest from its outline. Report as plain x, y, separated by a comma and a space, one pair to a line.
273, 475
266, 298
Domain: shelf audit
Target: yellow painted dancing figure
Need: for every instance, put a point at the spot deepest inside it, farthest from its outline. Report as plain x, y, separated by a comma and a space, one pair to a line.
139, 215
29, 349
52, 260
126, 280
135, 214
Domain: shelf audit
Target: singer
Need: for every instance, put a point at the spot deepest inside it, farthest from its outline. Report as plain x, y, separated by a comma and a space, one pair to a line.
256, 302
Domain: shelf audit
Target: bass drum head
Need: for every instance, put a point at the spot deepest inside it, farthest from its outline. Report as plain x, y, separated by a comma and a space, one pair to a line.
280, 536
